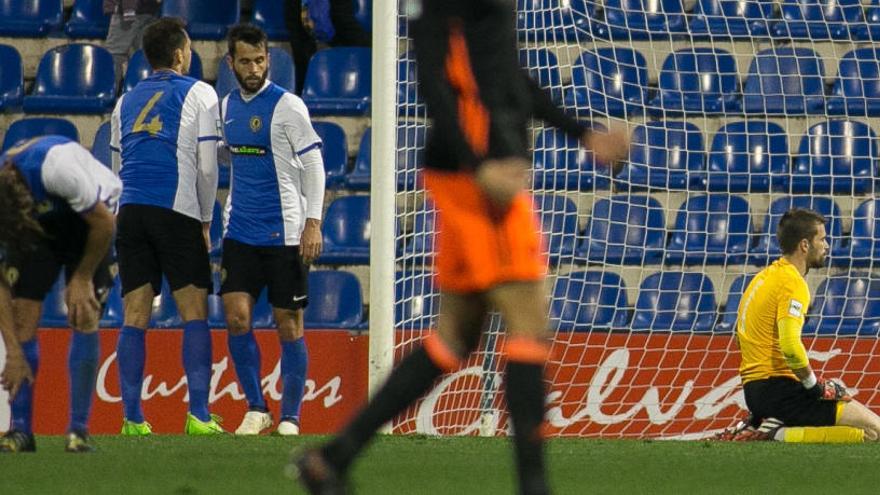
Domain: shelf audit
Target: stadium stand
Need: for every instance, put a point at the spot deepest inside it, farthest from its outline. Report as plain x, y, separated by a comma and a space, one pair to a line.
269, 16
727, 319
697, 80
410, 150
675, 301
75, 78
664, 155
165, 314
335, 300
748, 157
731, 19
585, 301
560, 163
856, 90
346, 230
558, 216
420, 239
838, 156
31, 127
416, 301
113, 316
543, 20
205, 19
30, 19
817, 19
338, 81
627, 230
88, 20
712, 229
865, 237
543, 66
363, 12
785, 81
334, 150
11, 79
643, 20
846, 305
359, 178
869, 30
101, 145
610, 80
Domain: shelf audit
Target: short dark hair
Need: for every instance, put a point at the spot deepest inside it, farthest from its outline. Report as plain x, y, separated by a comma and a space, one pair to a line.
160, 40
796, 225
246, 33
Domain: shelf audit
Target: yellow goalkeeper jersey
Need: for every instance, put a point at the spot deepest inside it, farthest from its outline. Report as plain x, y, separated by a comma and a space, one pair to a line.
777, 292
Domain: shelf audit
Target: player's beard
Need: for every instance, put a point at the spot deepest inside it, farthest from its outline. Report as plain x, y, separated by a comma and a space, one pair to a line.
816, 259
251, 84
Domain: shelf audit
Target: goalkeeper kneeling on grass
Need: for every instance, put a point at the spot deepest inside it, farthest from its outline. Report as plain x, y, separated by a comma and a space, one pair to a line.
782, 392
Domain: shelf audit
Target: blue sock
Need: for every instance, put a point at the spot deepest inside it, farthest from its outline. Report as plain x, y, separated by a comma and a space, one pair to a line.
82, 365
130, 355
246, 357
294, 362
197, 363
23, 403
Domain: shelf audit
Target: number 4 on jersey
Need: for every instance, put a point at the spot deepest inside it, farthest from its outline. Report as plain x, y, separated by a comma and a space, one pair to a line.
155, 124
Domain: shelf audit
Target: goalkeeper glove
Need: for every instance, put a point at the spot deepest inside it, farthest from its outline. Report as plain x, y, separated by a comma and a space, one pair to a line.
829, 390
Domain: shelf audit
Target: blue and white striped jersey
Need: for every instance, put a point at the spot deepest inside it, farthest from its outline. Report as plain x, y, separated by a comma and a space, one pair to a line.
277, 171
166, 130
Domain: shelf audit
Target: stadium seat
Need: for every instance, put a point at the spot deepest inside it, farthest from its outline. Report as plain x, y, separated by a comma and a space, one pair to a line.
699, 81
731, 18
346, 230
418, 245
335, 300
838, 156
586, 301
75, 78
54, 309
338, 82
554, 20
817, 19
561, 163
270, 16
363, 12
216, 231
785, 81
665, 155
410, 154
409, 103
11, 79
205, 19
359, 178
543, 66
610, 81
88, 20
262, 316
113, 316
846, 305
675, 301
864, 246
727, 321
32, 127
139, 69
165, 314
870, 29
643, 19
629, 230
216, 312
415, 300
559, 225
30, 19
713, 229
334, 150
748, 157
101, 145
767, 247
856, 90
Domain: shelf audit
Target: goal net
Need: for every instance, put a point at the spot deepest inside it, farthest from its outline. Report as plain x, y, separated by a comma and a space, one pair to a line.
738, 111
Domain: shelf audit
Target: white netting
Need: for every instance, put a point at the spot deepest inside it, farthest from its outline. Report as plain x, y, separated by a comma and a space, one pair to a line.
738, 111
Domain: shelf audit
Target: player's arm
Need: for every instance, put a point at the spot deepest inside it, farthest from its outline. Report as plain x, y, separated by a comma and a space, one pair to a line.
16, 371
209, 135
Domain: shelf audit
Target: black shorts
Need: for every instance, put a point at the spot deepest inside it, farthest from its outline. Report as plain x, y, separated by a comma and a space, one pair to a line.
152, 241
788, 401
247, 268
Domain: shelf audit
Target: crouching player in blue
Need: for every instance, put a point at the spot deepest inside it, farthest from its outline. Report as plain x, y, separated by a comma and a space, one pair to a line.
273, 224
57, 205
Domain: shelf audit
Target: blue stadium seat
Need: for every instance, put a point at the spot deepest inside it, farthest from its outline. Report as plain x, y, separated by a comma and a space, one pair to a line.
216, 231
846, 305
767, 247
165, 314
139, 69
561, 163
665, 155
113, 316
205, 19
785, 81
54, 309
359, 178
262, 317
410, 154
697, 80
609, 81
338, 82
856, 91
554, 20
817, 19
24, 129
30, 19
335, 300
101, 145
543, 66
409, 102
346, 232
629, 230
559, 225
216, 311
416, 301
838, 156
586, 301
864, 246
870, 29
270, 16
727, 321
714, 229
334, 150
88, 20
643, 19
731, 18
75, 78
675, 301
281, 69
418, 245
363, 12
748, 157
11, 79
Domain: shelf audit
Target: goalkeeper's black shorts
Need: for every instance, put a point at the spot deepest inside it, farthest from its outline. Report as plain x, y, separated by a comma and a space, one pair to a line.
788, 401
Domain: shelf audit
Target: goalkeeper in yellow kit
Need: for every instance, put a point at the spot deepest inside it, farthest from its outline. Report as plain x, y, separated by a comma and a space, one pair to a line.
780, 386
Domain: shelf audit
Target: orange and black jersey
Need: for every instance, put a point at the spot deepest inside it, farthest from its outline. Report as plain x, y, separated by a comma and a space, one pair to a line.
478, 96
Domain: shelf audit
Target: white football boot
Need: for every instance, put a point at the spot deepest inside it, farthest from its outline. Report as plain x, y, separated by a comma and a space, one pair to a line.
288, 428
254, 423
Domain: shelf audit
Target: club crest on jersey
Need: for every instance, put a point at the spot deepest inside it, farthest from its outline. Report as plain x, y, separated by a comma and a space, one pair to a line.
256, 123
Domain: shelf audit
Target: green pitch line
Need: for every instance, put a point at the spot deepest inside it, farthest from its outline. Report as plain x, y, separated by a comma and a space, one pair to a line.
459, 466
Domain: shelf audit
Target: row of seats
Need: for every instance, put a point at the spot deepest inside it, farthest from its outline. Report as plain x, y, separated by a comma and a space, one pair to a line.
79, 79
206, 19
579, 20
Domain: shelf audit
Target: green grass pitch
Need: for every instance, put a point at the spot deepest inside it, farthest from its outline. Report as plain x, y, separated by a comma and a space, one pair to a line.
418, 465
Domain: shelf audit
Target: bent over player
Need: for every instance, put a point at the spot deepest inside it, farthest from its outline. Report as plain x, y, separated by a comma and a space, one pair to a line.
56, 212
489, 251
273, 224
